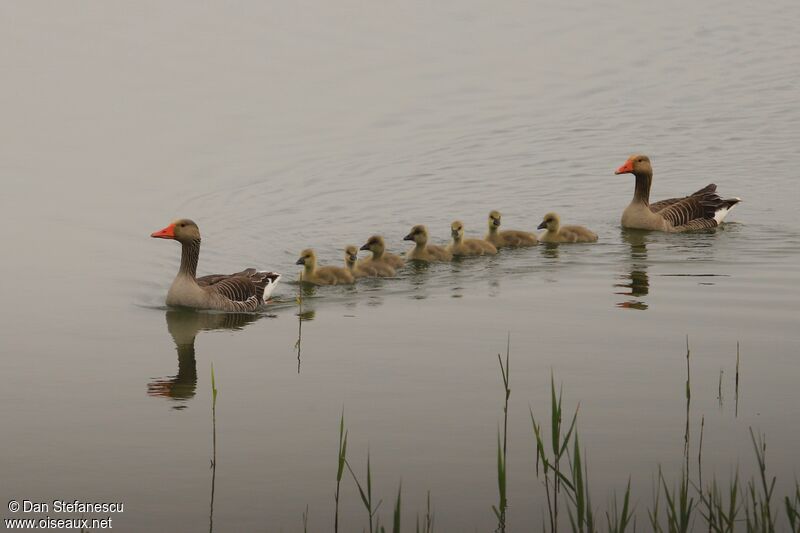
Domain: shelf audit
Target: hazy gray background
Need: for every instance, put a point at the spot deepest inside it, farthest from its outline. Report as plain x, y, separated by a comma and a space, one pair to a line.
282, 125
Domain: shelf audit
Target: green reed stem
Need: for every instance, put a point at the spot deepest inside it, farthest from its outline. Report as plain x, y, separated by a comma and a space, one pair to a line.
342, 459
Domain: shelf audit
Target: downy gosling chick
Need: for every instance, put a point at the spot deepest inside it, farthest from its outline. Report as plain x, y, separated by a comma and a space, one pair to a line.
326, 275
558, 233
357, 268
424, 251
508, 238
377, 246
462, 247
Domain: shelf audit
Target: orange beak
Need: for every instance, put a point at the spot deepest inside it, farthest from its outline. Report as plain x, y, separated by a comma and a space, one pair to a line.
166, 233
627, 168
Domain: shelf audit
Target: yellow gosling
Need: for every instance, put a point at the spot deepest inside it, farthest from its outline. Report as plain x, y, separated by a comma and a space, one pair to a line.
558, 233
424, 251
377, 246
357, 268
508, 238
325, 275
466, 247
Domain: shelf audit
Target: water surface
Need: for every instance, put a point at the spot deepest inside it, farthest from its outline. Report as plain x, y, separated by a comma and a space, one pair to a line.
279, 126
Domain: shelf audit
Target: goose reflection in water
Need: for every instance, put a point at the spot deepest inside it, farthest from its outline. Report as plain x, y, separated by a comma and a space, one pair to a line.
636, 280
184, 325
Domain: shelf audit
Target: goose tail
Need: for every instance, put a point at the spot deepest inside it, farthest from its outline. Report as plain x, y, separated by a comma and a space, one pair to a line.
271, 281
724, 208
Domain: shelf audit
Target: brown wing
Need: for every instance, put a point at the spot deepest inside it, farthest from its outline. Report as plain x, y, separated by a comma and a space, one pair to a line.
235, 288
663, 204
211, 279
244, 290
697, 224
692, 212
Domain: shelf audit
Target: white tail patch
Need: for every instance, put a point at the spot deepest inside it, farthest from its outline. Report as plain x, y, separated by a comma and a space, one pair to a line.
720, 214
270, 286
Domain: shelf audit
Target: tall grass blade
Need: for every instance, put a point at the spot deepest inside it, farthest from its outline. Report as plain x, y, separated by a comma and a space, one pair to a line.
342, 459
396, 517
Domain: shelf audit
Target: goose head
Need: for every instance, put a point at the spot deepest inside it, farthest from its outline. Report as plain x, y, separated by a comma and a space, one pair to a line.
418, 234
550, 222
638, 165
494, 220
350, 256
376, 245
182, 230
307, 258
457, 230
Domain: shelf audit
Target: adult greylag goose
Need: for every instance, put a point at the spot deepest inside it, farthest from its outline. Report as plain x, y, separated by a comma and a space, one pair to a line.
377, 246
424, 251
510, 238
464, 247
242, 291
703, 209
558, 233
357, 268
325, 275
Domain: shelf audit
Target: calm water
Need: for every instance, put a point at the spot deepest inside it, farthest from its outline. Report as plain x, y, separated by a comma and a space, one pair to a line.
278, 126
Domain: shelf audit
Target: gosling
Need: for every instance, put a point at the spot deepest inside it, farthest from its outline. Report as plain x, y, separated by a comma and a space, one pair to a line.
357, 268
464, 247
558, 233
377, 246
424, 251
326, 275
508, 238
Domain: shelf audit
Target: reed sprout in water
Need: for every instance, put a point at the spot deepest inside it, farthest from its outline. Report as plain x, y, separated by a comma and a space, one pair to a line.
340, 468
502, 451
554, 477
758, 509
427, 522
366, 495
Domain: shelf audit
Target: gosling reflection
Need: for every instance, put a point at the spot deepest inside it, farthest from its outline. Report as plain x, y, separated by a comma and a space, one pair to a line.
636, 280
549, 250
184, 325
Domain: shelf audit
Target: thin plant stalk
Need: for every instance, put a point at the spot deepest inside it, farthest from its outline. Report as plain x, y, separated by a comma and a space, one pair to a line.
679, 506
213, 447
342, 458
700, 453
559, 443
719, 517
397, 513
582, 521
502, 451
762, 518
618, 521
688, 405
652, 515
298, 344
366, 496
736, 390
793, 508
427, 523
